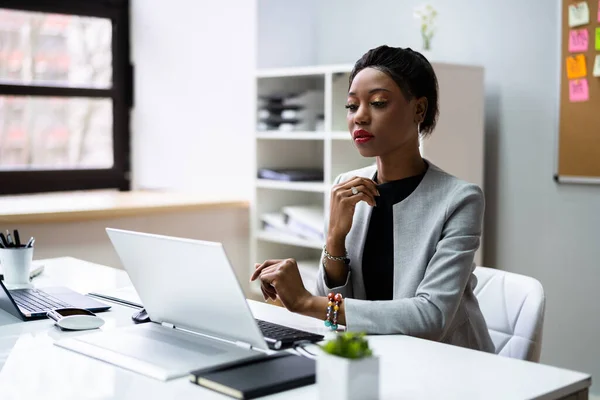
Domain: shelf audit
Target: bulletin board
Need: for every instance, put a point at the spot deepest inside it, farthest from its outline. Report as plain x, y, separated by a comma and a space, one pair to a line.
579, 127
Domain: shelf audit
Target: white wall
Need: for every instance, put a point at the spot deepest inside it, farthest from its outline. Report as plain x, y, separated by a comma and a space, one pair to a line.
286, 33
194, 94
534, 226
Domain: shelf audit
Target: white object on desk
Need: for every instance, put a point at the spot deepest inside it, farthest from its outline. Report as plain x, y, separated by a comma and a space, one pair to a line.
16, 264
188, 330
75, 319
346, 379
410, 368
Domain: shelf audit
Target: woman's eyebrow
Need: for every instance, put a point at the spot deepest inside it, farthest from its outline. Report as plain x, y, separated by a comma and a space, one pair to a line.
371, 91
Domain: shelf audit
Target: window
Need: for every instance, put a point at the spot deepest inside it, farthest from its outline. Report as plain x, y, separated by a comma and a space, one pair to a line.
65, 95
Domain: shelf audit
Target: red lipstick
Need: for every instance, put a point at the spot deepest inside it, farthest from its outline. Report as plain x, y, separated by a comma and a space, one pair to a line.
361, 136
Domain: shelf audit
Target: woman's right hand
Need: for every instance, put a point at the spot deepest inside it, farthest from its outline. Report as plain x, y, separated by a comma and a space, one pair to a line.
343, 203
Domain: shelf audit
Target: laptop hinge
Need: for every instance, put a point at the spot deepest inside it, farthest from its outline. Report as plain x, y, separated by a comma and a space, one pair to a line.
167, 325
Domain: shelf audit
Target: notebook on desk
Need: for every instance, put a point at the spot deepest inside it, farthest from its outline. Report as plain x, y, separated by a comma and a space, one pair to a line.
192, 296
257, 378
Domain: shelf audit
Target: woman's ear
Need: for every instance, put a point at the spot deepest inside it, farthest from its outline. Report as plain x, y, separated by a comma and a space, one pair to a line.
420, 110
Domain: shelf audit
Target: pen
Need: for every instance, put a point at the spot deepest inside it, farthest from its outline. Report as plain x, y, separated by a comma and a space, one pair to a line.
30, 243
9, 239
3, 240
17, 238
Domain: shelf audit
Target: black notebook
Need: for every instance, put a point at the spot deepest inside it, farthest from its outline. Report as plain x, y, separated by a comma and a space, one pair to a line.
259, 377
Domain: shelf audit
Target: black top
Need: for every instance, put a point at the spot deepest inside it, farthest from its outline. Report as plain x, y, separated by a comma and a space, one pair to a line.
378, 254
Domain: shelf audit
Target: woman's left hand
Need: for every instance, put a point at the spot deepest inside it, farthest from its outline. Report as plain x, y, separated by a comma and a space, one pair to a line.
282, 277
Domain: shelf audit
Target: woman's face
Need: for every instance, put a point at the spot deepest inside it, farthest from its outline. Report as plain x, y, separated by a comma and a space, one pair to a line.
380, 119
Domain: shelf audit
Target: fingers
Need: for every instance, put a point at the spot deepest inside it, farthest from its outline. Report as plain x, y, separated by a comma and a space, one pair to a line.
268, 291
362, 185
355, 198
259, 267
270, 269
358, 180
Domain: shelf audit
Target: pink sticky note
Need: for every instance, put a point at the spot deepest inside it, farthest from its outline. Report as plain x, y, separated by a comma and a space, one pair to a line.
578, 40
598, 10
579, 90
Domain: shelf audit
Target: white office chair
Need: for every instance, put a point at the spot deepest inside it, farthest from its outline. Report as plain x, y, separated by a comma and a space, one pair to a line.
513, 307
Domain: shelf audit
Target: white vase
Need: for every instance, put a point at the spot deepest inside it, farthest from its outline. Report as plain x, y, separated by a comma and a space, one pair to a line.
347, 379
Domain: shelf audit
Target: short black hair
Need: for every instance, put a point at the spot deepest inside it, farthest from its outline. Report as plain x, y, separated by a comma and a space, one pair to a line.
412, 73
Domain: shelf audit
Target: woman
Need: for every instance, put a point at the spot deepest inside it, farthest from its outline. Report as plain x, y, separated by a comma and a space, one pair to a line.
402, 234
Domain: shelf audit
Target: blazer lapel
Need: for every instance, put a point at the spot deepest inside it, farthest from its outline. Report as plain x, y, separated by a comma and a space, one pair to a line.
355, 241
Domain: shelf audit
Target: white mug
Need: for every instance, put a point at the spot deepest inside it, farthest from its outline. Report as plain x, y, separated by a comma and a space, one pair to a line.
15, 263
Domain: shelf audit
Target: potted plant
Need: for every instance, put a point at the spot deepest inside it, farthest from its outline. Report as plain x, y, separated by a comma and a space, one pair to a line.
347, 369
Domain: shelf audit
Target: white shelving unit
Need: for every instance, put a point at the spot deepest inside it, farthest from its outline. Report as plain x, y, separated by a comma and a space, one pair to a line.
456, 145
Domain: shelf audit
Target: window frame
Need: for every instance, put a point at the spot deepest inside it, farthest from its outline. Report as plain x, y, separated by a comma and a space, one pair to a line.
121, 94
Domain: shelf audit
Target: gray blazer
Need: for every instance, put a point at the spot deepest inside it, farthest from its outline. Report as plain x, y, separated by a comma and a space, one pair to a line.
437, 230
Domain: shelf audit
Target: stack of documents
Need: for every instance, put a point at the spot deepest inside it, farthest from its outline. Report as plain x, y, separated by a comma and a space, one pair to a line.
290, 111
306, 222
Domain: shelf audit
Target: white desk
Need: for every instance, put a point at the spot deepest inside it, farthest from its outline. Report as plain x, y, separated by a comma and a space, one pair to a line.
32, 367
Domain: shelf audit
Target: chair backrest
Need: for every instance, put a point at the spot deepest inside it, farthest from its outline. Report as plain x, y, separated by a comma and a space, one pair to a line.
513, 306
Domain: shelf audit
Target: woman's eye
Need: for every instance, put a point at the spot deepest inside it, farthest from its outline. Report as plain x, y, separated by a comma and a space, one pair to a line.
351, 107
378, 104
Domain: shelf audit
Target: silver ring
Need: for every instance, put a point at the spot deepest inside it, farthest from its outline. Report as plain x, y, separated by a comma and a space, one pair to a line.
354, 190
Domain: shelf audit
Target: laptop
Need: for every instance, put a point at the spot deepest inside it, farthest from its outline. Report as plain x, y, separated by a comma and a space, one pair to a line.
32, 304
200, 317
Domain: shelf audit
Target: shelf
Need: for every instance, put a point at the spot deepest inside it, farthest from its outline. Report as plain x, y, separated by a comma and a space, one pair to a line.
298, 186
290, 135
288, 239
340, 135
303, 71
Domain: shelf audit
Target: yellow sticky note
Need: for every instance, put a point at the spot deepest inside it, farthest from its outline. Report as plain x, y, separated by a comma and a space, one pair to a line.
597, 66
579, 14
598, 39
576, 67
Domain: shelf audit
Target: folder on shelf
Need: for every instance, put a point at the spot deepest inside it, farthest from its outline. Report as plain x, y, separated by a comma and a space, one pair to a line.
291, 174
306, 221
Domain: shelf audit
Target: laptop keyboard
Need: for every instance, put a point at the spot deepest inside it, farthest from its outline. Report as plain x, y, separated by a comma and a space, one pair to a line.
36, 301
286, 334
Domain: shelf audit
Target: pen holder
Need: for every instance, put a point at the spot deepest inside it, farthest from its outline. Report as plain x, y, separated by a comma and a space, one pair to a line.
16, 263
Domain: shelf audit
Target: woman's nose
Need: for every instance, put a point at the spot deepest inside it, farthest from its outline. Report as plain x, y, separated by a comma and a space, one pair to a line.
362, 116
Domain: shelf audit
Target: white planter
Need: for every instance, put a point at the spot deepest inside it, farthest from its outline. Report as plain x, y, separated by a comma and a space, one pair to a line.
346, 379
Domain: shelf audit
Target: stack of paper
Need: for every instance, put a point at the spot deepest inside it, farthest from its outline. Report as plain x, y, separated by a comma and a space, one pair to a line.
307, 222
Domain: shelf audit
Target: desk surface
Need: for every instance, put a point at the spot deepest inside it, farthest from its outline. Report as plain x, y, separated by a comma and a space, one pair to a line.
411, 368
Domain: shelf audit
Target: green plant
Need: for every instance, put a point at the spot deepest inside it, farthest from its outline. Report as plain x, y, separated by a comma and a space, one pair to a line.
348, 345
426, 15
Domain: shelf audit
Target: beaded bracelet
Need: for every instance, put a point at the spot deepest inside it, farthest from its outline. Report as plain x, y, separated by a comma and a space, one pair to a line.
333, 307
